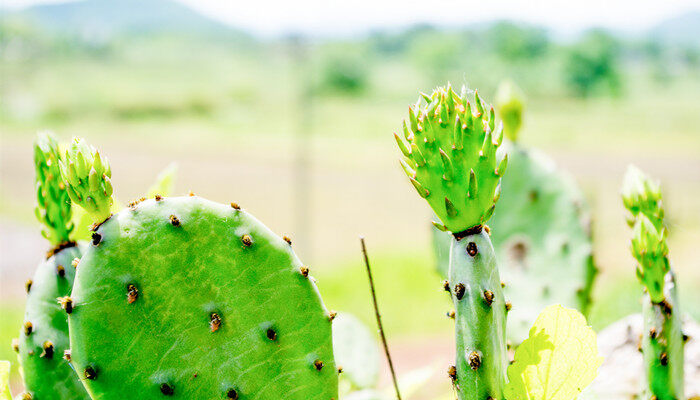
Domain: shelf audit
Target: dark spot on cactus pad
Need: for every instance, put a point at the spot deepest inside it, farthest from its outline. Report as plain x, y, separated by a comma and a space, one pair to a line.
235, 206
28, 285
318, 364
340, 369
246, 240
663, 359
509, 305
503, 284
232, 394
488, 297
67, 355
60, 271
26, 396
518, 251
685, 337
287, 239
158, 197
452, 373
75, 262
652, 333
90, 373
471, 249
533, 195
132, 293
96, 238
446, 285
451, 314
167, 389
134, 203
48, 350
174, 221
332, 315
15, 345
271, 334
28, 328
666, 307
66, 304
304, 271
474, 360
214, 322
459, 291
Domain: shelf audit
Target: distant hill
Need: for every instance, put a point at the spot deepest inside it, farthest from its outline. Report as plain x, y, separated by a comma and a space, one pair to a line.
683, 29
119, 17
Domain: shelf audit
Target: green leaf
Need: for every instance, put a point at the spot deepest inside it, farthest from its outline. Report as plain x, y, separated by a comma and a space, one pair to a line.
5, 381
557, 361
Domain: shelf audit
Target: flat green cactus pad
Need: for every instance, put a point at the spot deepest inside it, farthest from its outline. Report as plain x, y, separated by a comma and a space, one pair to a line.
44, 334
543, 244
449, 147
185, 298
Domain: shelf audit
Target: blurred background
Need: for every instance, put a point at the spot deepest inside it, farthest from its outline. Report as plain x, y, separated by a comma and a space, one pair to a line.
289, 109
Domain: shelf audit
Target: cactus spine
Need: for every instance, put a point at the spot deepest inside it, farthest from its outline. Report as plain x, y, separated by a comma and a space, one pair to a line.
185, 298
662, 342
450, 156
44, 334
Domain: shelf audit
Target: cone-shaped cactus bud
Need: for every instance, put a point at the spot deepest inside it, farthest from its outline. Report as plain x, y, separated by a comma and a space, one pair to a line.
650, 249
88, 179
453, 144
54, 205
640, 194
509, 101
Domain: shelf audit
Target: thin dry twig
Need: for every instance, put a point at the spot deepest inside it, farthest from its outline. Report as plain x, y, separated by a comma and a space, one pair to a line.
379, 318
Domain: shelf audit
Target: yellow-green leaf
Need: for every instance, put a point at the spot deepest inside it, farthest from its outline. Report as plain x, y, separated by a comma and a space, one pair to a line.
557, 361
5, 381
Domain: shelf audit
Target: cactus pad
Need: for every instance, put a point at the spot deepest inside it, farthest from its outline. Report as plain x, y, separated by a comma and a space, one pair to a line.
185, 298
44, 333
449, 147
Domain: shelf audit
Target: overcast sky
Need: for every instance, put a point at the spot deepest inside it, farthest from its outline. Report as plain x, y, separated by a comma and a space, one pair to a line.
271, 17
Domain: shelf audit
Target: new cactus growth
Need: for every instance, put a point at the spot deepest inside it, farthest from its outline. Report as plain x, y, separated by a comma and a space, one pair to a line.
662, 343
541, 234
44, 333
450, 148
190, 299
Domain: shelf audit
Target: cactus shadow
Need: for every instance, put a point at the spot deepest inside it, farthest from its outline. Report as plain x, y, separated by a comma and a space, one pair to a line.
528, 354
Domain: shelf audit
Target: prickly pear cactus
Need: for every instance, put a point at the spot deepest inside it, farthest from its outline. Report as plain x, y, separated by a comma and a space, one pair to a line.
662, 341
185, 298
44, 334
450, 156
541, 234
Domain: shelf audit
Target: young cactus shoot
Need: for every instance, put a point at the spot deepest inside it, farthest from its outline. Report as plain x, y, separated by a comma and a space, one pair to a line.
53, 208
87, 176
662, 345
449, 147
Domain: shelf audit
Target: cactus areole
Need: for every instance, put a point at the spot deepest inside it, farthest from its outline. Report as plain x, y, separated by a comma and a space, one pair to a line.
186, 298
663, 342
450, 148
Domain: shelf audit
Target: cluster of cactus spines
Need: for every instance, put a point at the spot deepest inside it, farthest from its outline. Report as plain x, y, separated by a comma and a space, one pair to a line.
449, 147
87, 176
186, 298
543, 240
53, 208
663, 342
44, 333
